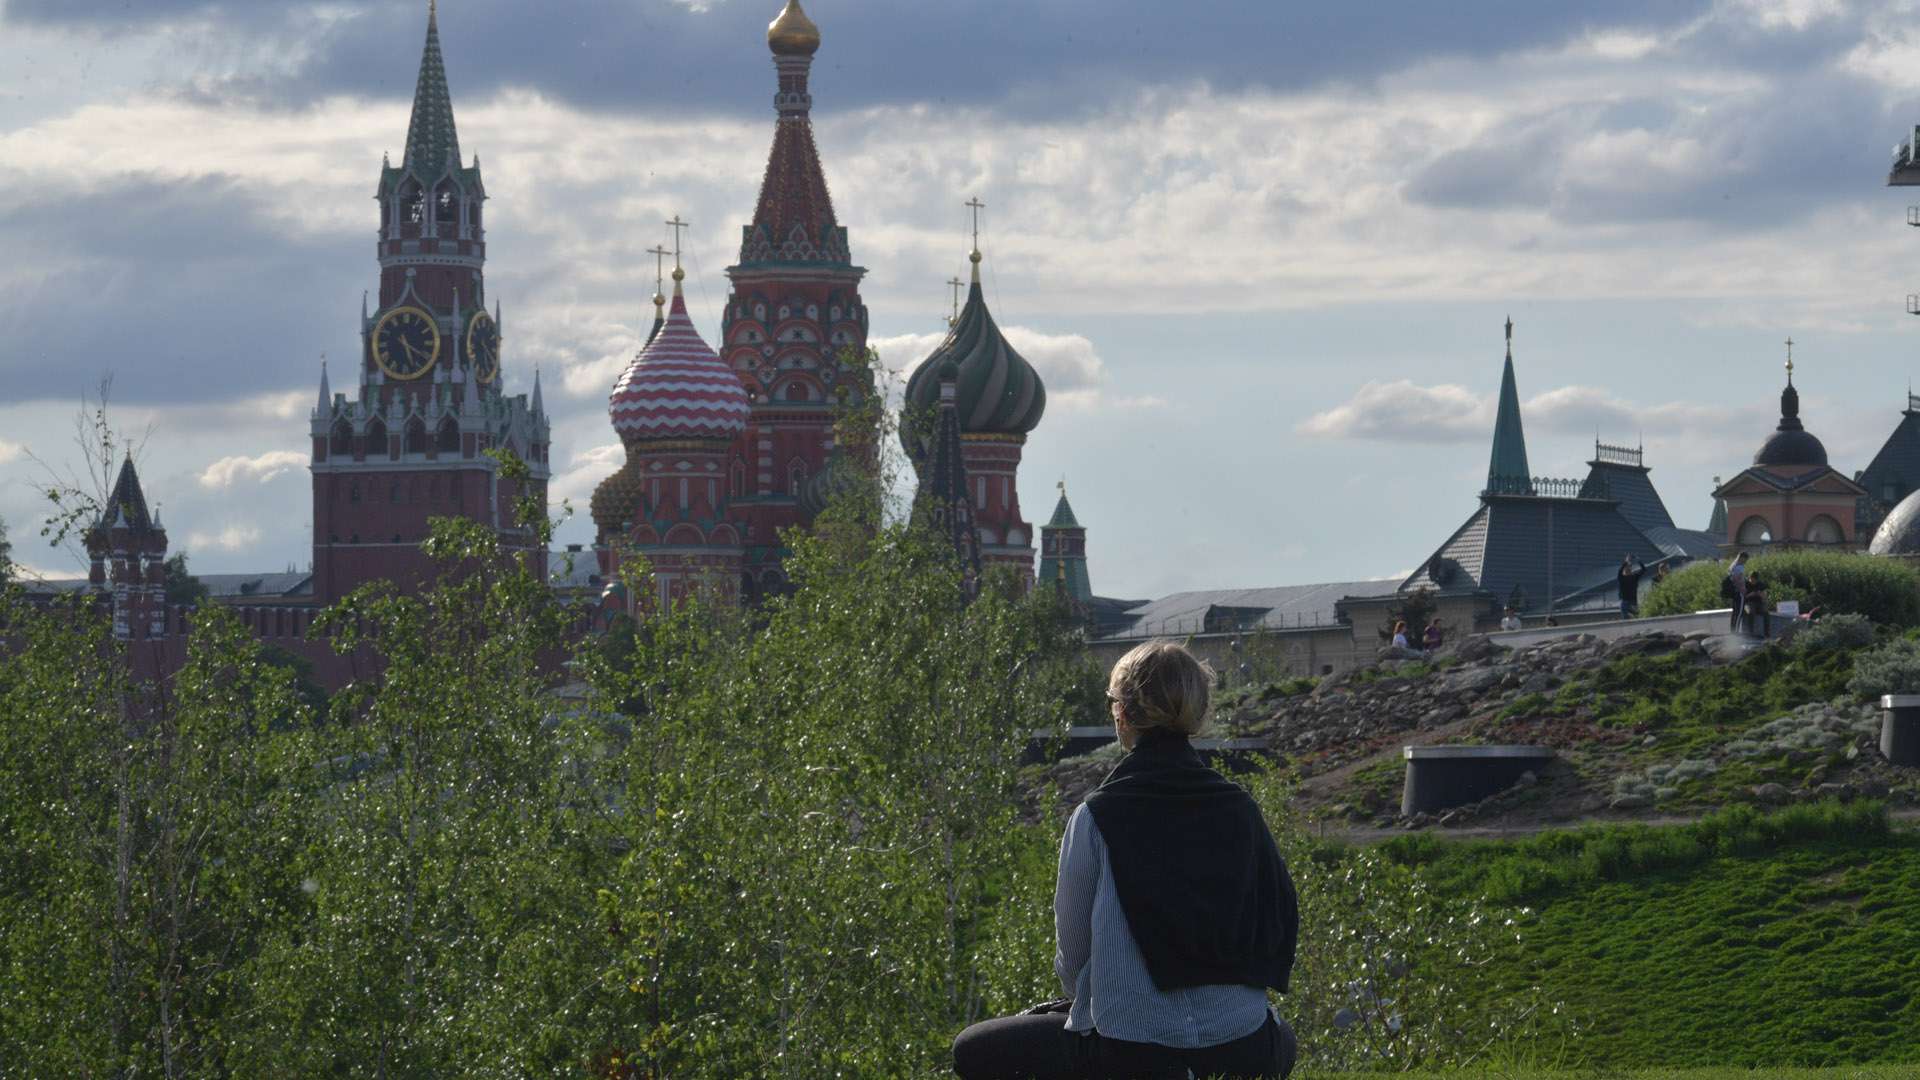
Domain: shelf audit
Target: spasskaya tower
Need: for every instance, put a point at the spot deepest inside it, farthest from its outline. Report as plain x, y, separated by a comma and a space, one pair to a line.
412, 444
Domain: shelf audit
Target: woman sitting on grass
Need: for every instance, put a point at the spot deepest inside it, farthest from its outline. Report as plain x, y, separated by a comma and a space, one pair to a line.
1173, 910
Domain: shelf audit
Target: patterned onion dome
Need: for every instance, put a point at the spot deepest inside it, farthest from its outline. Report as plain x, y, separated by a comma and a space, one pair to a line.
677, 387
998, 392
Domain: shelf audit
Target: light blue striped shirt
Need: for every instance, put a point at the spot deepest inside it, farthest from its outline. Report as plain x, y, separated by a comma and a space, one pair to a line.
1100, 965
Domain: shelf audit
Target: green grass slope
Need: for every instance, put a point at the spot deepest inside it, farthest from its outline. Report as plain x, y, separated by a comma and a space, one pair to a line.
1746, 940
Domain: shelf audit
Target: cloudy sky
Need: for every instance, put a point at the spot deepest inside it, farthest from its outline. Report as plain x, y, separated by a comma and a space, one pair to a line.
1261, 253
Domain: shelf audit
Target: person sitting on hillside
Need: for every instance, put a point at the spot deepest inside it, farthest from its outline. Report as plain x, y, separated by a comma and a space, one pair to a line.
1430, 641
1173, 910
1754, 601
1511, 620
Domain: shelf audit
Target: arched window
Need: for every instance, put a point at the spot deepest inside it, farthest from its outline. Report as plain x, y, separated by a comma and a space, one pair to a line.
416, 436
377, 437
446, 209
1824, 530
353, 494
342, 443
413, 203
796, 391
739, 485
1754, 530
796, 478
448, 441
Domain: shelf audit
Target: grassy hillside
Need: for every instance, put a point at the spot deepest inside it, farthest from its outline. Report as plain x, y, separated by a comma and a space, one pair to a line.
1746, 940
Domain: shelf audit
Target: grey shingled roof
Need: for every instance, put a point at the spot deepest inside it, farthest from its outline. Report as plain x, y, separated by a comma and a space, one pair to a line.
1286, 607
1630, 485
1509, 541
1894, 472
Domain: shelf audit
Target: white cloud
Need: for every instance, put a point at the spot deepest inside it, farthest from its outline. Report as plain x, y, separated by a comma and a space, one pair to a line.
262, 468
11, 451
1402, 411
232, 537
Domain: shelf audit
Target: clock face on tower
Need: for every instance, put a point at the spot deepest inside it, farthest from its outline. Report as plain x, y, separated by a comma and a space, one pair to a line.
405, 342
483, 346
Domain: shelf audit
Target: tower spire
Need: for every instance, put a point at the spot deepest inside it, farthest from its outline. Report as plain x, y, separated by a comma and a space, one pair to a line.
794, 220
326, 393
433, 146
1507, 472
659, 253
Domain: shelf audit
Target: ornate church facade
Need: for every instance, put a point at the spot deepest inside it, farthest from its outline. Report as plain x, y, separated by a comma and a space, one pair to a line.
729, 444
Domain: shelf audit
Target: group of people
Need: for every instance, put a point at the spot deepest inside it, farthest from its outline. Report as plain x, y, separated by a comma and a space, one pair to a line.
1747, 593
1429, 640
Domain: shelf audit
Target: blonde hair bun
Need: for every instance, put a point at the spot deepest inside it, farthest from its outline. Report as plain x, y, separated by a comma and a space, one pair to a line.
1162, 685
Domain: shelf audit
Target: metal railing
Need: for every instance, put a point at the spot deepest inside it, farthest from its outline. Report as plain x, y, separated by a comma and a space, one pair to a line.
1618, 455
1545, 487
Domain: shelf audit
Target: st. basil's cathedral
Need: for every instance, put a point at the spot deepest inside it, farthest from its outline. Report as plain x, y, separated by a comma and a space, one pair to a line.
725, 448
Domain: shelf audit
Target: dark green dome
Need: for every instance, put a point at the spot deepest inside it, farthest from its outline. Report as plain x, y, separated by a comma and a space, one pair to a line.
997, 391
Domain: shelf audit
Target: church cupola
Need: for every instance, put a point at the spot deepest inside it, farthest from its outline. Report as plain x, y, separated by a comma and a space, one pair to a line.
678, 410
1791, 444
998, 400
1789, 496
942, 501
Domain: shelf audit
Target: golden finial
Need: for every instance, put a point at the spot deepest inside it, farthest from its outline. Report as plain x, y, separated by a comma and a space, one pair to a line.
956, 285
1509, 337
1789, 361
791, 33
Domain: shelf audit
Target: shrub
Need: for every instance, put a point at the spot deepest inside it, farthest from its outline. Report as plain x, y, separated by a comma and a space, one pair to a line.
1838, 583
1844, 631
1893, 668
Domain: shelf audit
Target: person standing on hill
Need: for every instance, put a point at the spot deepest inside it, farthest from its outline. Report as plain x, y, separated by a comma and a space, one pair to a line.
1630, 571
1430, 641
1173, 912
1734, 588
1754, 601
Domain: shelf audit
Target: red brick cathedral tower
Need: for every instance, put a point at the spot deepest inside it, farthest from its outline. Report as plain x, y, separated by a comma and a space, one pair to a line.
429, 404
795, 330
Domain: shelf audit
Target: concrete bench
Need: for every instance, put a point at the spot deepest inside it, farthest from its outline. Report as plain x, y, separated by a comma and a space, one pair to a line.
1442, 777
1900, 728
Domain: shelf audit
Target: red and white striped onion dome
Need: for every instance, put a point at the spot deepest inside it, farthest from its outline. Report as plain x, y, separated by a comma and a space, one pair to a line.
678, 388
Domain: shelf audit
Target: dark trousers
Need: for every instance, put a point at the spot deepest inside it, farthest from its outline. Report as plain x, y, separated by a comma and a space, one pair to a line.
1041, 1048
1739, 608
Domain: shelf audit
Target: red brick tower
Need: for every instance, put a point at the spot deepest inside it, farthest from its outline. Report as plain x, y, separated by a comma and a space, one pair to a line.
795, 330
1000, 398
412, 446
128, 551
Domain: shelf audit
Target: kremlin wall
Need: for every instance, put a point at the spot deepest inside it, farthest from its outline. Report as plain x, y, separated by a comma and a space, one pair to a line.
731, 440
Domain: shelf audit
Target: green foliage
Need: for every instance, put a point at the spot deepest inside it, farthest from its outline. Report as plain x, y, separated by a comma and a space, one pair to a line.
1892, 668
1416, 611
1845, 631
1387, 962
1883, 590
182, 587
1694, 706
6, 554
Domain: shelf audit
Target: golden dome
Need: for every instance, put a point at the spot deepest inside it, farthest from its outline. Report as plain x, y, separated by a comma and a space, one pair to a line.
793, 34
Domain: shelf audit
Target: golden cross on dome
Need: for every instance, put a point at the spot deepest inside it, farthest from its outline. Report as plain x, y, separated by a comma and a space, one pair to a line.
659, 253
956, 284
1789, 361
974, 204
1062, 485
676, 224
